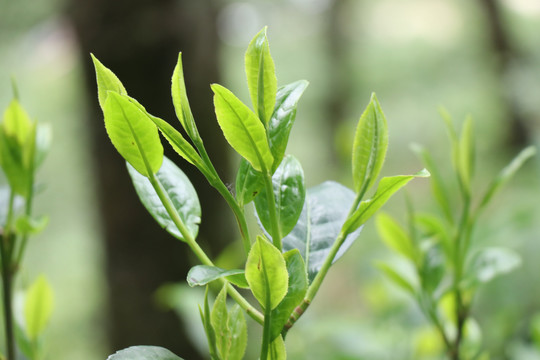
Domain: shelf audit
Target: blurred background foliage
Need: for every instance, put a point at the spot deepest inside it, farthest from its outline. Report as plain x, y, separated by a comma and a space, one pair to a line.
473, 57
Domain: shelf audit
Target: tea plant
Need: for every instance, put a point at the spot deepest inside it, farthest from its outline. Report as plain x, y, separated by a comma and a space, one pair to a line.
450, 266
303, 231
23, 145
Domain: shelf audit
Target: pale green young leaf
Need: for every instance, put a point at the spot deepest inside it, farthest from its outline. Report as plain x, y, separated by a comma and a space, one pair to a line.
396, 278
369, 147
238, 333
38, 306
394, 236
289, 195
31, 225
12, 162
325, 210
506, 174
208, 329
106, 81
280, 125
17, 122
434, 227
388, 186
144, 353
438, 187
242, 129
181, 193
298, 284
133, 134
261, 76
466, 154
277, 351
181, 102
452, 135
219, 319
200, 275
266, 273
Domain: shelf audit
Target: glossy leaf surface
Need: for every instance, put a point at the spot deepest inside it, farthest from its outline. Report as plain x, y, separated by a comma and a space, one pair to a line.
325, 210
261, 76
249, 183
298, 284
38, 307
144, 353
179, 190
289, 196
242, 129
203, 274
180, 100
106, 81
369, 147
282, 120
266, 273
387, 187
133, 134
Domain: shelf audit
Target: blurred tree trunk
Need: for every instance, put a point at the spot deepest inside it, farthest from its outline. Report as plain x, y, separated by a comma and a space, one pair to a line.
139, 40
506, 56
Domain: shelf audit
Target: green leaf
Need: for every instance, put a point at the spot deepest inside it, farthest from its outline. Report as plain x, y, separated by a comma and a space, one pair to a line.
266, 273
436, 228
506, 174
282, 120
261, 76
298, 284
369, 147
29, 348
289, 196
43, 142
178, 143
242, 129
396, 278
277, 349
203, 274
466, 154
17, 122
179, 190
238, 333
219, 319
144, 353
29, 225
208, 329
12, 162
535, 329
181, 102
387, 187
249, 183
38, 307
490, 263
432, 269
133, 134
18, 205
325, 210
394, 236
439, 189
106, 81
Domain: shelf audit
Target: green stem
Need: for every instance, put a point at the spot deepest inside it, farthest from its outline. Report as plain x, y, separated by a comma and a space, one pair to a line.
276, 232
199, 252
28, 211
266, 333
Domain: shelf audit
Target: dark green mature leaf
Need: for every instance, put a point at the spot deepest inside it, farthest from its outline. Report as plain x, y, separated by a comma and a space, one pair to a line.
439, 189
133, 134
298, 284
394, 236
261, 76
506, 174
325, 210
179, 190
282, 120
490, 263
181, 102
396, 278
249, 183
387, 187
106, 81
266, 273
289, 196
203, 274
238, 333
242, 129
370, 144
144, 353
